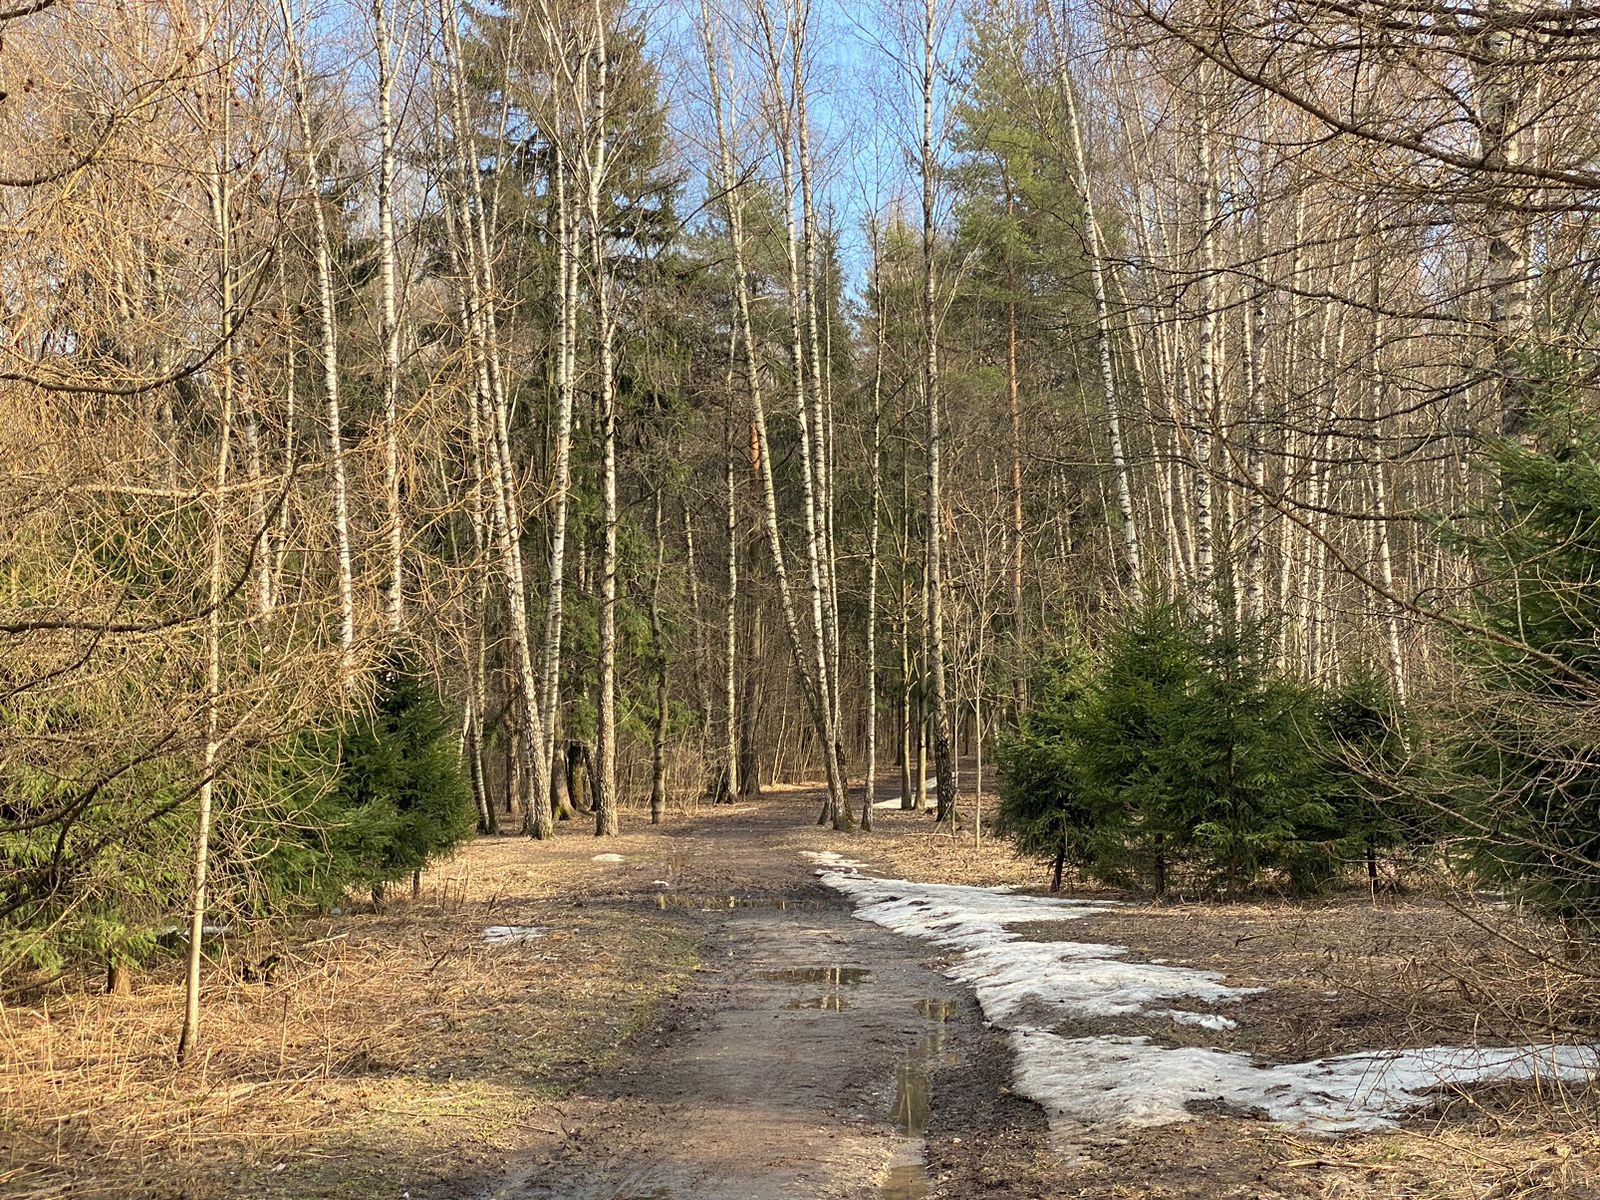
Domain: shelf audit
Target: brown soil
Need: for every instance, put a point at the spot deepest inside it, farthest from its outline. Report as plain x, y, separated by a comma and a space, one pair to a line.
654, 1042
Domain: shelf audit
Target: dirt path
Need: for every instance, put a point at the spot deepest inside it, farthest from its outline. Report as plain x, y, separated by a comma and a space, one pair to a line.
800, 1063
815, 1055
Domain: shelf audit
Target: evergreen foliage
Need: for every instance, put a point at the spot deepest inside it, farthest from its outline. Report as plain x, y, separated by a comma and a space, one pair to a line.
303, 820
1182, 754
1368, 743
1529, 748
400, 786
1044, 807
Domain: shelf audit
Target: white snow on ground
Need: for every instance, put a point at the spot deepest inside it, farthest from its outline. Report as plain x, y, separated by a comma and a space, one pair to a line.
1205, 1020
1014, 975
502, 934
608, 858
1122, 1082
829, 860
1026, 986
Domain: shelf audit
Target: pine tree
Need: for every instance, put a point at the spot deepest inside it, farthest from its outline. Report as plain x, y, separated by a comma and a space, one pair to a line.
1246, 780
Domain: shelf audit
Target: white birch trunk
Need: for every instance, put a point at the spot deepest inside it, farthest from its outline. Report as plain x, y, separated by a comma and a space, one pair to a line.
1132, 557
326, 319
810, 683
389, 331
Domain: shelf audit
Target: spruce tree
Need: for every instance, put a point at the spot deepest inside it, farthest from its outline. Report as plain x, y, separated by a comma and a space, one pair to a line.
1044, 809
1367, 739
401, 785
1529, 747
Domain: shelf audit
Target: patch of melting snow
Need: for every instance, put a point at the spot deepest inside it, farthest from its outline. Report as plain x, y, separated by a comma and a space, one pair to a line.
501, 934
1025, 986
1125, 1082
608, 858
1204, 1020
1014, 975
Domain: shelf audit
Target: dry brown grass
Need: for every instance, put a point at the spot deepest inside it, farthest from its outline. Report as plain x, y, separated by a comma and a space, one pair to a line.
909, 845
389, 1045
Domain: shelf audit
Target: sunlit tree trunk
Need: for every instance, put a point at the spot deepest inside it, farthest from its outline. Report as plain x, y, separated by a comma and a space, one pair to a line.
1132, 558
658, 642
869, 783
730, 612
222, 206
326, 320
938, 716
809, 680
596, 170
1499, 102
505, 520
1203, 411
782, 101
389, 322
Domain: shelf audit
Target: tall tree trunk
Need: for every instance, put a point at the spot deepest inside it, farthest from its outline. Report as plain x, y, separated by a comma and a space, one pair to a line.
326, 318
938, 718
561, 482
869, 784
1204, 409
658, 642
812, 685
750, 712
821, 420
1378, 468
389, 323
819, 669
697, 624
1255, 458
596, 167
1132, 559
1017, 531
222, 206
1499, 103
730, 612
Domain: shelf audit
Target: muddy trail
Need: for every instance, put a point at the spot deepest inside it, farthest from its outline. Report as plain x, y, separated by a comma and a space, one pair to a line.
817, 1054
807, 1057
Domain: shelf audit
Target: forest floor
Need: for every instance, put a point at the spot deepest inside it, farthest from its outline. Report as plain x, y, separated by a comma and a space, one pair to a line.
692, 1015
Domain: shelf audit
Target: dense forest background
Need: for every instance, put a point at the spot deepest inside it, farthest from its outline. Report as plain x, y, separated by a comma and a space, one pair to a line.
427, 416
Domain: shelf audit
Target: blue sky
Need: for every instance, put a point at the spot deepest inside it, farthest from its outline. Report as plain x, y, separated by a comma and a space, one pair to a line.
864, 104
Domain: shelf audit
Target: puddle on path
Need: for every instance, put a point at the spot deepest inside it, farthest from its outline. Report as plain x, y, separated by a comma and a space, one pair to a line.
913, 1098
834, 979
909, 1181
912, 1092
707, 903
832, 1002
834, 976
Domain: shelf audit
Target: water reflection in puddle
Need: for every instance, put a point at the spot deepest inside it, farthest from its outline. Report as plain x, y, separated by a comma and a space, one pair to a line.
705, 903
913, 1097
832, 1002
907, 1182
912, 1091
834, 976
833, 979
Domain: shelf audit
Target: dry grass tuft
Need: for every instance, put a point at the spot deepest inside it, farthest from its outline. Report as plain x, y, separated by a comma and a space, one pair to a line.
389, 1045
